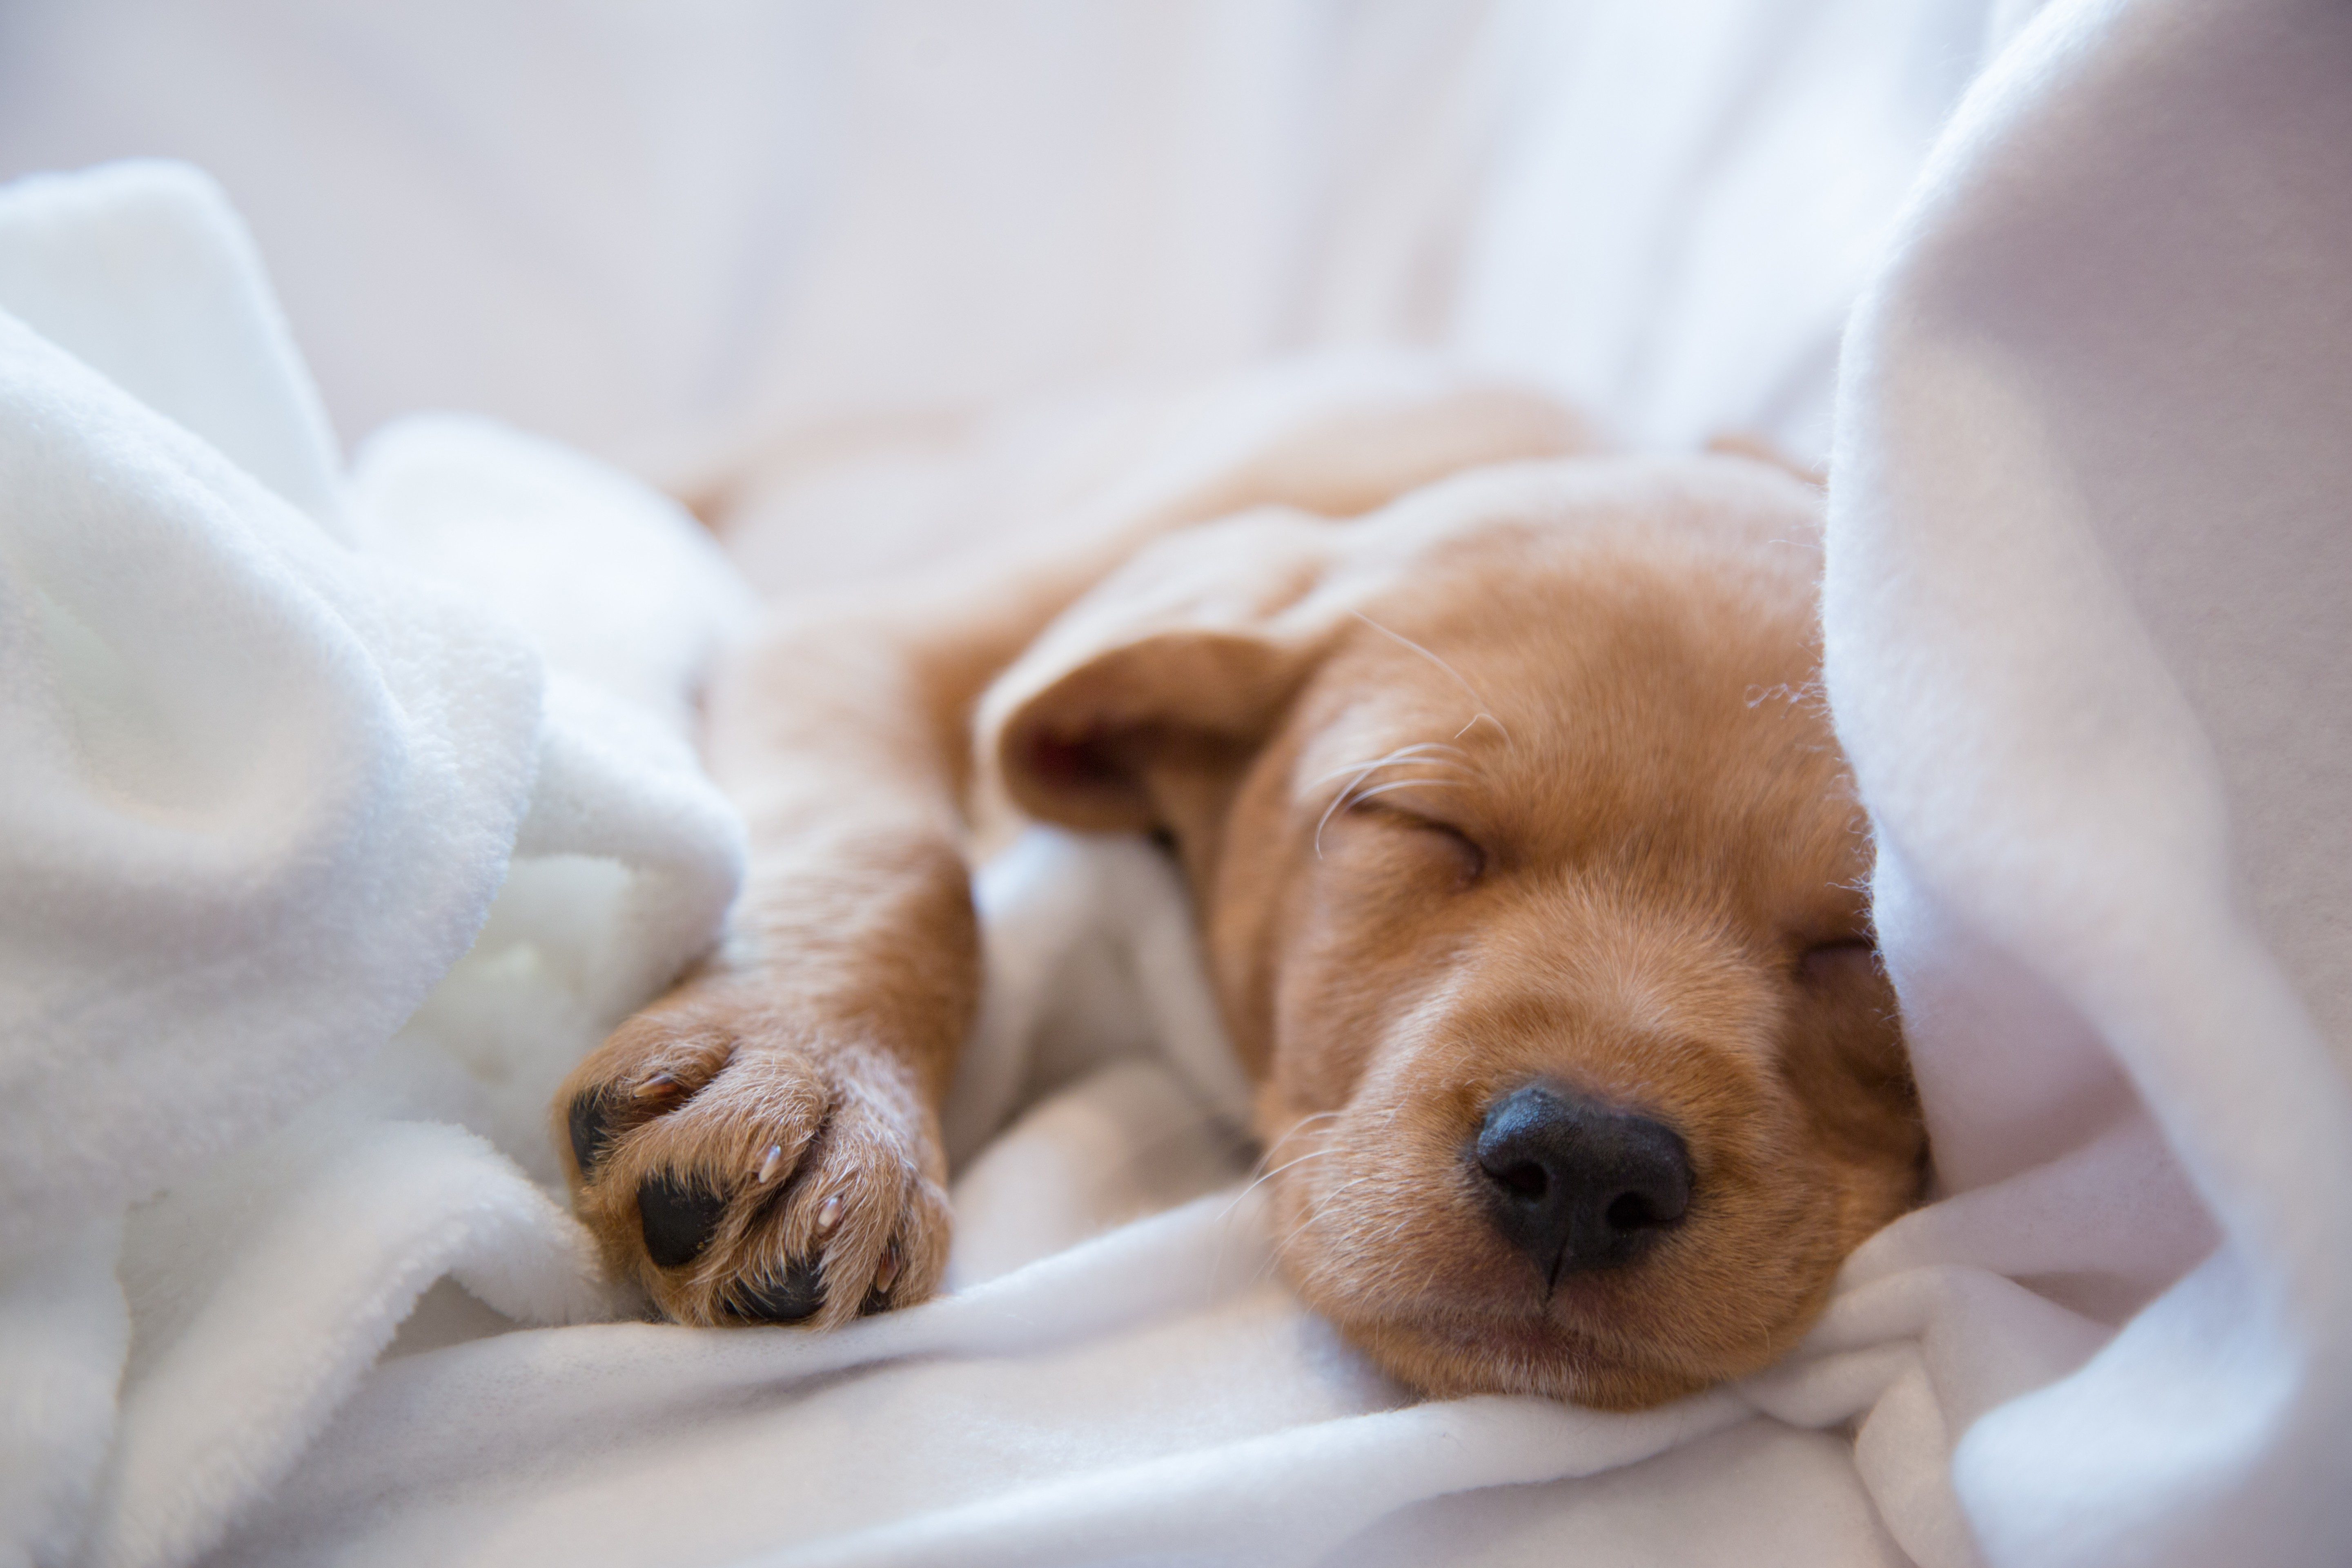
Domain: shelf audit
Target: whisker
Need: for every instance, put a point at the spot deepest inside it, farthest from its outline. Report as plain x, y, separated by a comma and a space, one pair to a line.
1364, 775
1321, 822
1364, 796
1270, 1175
1489, 717
1418, 756
1353, 796
1402, 753
1311, 1154
1217, 1264
1314, 1213
1475, 696
1291, 1130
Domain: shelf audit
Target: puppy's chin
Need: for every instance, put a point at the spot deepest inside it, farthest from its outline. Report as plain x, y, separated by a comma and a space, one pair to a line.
1451, 1358
1589, 1342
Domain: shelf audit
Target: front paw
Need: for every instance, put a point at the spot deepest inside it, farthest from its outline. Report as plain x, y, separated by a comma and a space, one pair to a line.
744, 1169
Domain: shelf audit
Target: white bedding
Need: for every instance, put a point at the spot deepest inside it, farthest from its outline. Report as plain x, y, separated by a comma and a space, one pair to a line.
2087, 552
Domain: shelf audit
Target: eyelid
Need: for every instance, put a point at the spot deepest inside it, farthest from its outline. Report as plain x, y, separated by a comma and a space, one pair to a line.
1427, 824
1406, 814
1821, 961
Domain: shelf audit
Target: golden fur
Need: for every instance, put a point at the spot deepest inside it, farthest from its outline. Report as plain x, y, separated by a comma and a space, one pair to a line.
1521, 776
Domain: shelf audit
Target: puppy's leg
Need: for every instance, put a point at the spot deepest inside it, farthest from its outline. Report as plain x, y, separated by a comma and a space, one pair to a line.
762, 1144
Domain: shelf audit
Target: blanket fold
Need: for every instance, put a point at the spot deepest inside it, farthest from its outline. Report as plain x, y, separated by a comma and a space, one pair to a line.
308, 863
259, 794
2085, 616
343, 810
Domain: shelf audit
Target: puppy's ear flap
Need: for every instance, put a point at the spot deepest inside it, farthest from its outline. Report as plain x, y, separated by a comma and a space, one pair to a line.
1187, 656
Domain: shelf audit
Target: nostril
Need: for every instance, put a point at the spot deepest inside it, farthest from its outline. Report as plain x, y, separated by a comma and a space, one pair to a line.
1631, 1211
1526, 1179
1575, 1184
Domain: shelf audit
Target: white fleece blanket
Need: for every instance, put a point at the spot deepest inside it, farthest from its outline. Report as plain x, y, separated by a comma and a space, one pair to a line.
270, 796
2087, 556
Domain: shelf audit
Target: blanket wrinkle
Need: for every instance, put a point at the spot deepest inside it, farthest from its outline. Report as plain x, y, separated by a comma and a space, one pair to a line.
2081, 614
144, 272
263, 790
2076, 575
335, 1226
230, 746
1283, 1498
1092, 957
64, 1329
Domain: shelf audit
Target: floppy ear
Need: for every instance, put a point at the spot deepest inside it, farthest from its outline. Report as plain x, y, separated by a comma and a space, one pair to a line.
1187, 656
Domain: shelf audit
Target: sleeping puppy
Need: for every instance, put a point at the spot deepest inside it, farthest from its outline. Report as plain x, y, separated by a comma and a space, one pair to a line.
1527, 871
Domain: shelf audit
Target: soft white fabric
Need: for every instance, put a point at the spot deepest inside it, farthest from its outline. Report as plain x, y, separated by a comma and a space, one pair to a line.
679, 235
63, 1330
219, 727
2090, 563
260, 792
2086, 553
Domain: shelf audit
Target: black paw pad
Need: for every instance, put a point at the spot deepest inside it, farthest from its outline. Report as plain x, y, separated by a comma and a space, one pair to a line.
678, 1220
796, 1296
591, 1119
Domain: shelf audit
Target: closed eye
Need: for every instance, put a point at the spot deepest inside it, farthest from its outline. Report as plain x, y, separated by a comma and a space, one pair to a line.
1834, 963
1471, 853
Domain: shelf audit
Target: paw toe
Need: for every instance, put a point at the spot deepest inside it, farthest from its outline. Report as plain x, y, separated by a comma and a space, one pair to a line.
590, 1119
678, 1219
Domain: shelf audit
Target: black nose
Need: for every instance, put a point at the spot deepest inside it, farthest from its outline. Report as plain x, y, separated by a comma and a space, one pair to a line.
1574, 1185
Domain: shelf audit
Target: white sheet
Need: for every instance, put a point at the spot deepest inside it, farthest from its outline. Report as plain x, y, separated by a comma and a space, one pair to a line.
2086, 552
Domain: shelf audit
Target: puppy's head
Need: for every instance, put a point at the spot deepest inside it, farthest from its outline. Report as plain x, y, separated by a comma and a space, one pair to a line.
1532, 883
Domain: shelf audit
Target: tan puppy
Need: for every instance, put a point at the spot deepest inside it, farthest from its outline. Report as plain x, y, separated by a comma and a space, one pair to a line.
1526, 865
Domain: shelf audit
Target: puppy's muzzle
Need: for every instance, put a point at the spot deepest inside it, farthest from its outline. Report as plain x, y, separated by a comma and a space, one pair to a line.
1577, 1185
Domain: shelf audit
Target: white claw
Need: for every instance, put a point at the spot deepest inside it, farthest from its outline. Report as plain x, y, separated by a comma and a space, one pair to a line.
828, 1214
887, 1274
768, 1166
